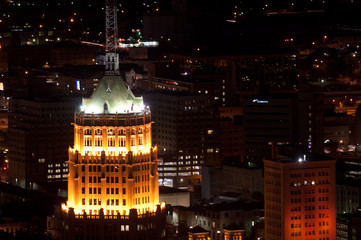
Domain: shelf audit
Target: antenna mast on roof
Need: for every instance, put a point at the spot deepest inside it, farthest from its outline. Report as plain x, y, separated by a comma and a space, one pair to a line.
111, 38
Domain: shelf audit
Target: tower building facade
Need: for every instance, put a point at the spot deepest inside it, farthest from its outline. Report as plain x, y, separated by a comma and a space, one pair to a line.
113, 178
300, 198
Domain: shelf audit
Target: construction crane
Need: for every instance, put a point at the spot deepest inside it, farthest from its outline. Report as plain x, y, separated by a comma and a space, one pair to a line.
111, 38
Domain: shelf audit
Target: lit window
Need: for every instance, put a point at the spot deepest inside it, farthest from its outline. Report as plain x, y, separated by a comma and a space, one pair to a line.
121, 132
87, 141
98, 141
111, 141
122, 142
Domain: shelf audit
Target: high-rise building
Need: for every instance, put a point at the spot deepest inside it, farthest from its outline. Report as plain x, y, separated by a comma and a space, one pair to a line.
230, 134
113, 177
40, 132
286, 119
349, 226
185, 131
3, 61
300, 198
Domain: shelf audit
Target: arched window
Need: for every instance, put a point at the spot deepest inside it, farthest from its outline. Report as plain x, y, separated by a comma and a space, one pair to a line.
88, 141
98, 141
140, 136
87, 131
111, 141
132, 137
121, 141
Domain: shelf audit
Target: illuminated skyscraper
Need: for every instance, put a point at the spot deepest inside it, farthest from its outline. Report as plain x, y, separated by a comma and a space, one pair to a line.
113, 178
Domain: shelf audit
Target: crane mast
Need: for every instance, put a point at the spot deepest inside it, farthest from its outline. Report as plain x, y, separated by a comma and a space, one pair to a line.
111, 37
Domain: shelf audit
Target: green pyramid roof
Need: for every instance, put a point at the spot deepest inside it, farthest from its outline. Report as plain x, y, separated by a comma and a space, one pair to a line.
112, 97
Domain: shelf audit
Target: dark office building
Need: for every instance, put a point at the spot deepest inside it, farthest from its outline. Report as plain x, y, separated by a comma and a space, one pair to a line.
283, 119
186, 135
348, 226
40, 133
230, 134
242, 73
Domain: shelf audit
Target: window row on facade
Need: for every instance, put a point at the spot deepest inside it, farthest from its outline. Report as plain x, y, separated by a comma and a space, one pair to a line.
309, 174
98, 179
142, 200
108, 191
144, 178
308, 183
110, 202
57, 165
98, 141
308, 208
98, 168
111, 132
144, 189
58, 170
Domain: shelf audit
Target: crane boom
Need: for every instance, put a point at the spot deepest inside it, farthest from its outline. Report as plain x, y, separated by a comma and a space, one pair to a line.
111, 37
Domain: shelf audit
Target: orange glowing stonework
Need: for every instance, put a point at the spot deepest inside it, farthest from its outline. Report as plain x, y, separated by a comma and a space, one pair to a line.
113, 165
300, 198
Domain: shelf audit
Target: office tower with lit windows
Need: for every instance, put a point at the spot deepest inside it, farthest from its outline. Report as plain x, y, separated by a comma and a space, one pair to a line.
300, 198
40, 132
185, 131
113, 178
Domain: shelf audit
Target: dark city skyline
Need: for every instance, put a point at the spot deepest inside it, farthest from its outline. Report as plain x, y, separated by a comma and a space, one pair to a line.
181, 119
